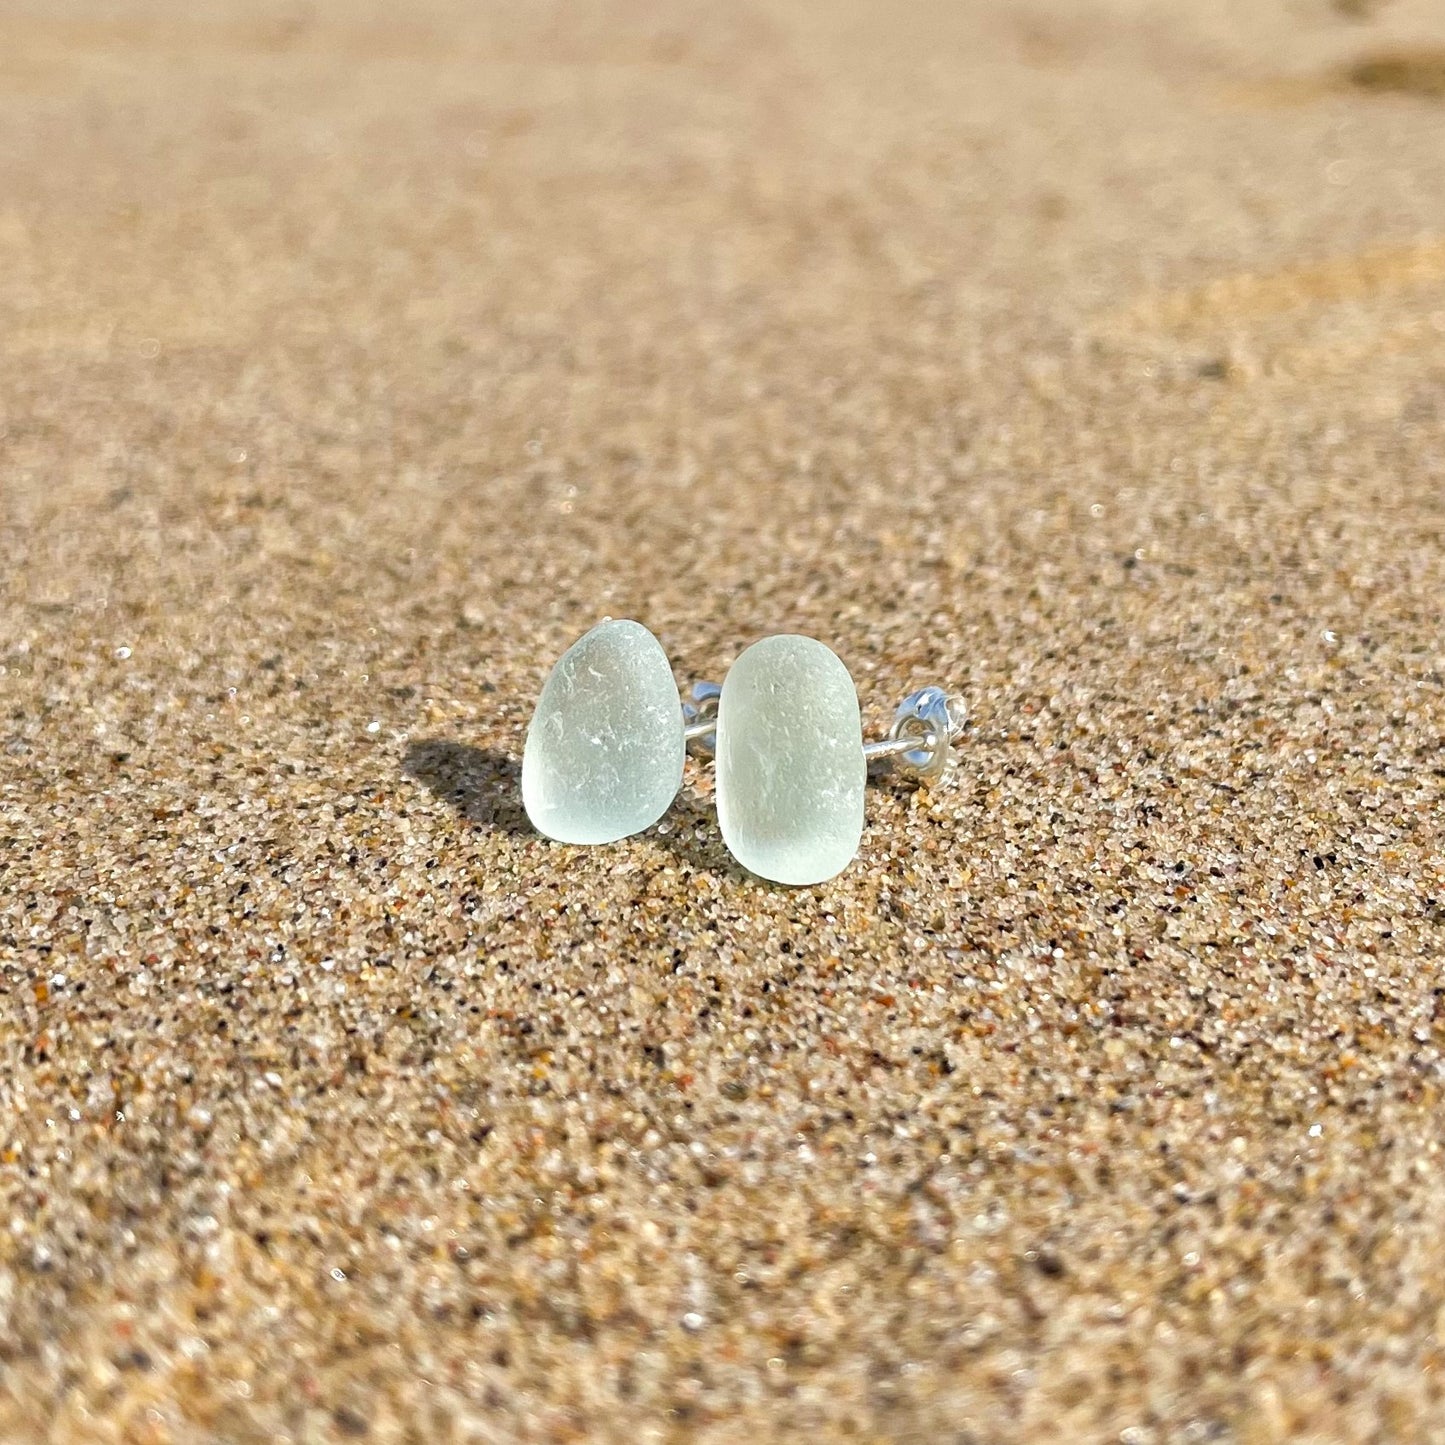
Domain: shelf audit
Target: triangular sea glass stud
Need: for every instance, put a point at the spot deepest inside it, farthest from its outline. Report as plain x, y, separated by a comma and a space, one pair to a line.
791, 770
605, 747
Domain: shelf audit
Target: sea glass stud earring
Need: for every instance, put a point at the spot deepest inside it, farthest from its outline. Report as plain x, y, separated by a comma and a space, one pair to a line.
605, 747
791, 761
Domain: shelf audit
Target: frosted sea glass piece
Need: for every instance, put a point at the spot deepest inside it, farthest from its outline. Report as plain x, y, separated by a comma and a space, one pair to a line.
604, 750
790, 765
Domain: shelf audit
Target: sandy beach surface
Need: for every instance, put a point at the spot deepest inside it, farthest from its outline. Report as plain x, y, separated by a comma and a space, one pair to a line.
1086, 356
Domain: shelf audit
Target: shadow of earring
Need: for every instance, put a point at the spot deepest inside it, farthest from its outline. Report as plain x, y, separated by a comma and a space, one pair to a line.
483, 785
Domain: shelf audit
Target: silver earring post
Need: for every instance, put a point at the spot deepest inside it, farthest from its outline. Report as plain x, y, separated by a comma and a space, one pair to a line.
918, 743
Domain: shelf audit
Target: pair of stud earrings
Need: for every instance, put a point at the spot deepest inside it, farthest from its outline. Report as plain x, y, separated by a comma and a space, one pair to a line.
605, 748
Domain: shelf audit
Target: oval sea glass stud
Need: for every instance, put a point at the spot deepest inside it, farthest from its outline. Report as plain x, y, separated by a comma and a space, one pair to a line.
790, 766
605, 748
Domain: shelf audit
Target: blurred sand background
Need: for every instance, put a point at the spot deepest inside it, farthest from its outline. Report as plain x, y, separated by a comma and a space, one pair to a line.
1085, 355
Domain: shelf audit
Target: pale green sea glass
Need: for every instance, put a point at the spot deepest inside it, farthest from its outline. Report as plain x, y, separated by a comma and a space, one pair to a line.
604, 751
790, 766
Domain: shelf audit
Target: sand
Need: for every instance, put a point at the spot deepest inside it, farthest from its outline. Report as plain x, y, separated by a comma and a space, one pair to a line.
1085, 356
